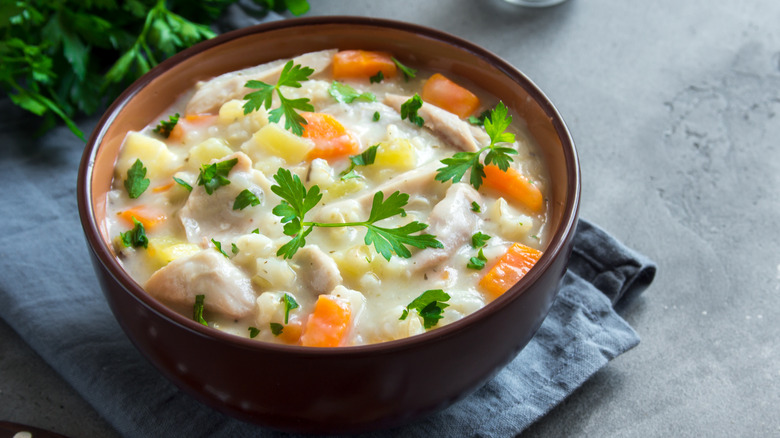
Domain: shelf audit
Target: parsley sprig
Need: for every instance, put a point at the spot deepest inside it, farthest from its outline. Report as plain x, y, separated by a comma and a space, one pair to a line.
495, 126
135, 237
409, 110
213, 176
291, 76
165, 127
297, 201
136, 182
430, 306
365, 158
345, 93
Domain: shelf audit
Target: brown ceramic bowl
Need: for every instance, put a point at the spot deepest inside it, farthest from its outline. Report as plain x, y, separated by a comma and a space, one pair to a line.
347, 389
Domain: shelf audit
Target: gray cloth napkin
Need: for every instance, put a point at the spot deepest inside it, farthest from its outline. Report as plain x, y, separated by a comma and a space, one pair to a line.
49, 294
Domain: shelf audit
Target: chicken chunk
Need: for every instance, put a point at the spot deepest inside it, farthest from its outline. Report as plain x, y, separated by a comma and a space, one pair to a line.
213, 93
452, 222
445, 125
227, 290
318, 272
211, 216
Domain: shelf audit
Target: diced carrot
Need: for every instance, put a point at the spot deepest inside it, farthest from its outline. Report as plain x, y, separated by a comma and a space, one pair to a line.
199, 119
147, 216
353, 64
291, 333
328, 324
163, 187
450, 96
515, 185
188, 121
509, 269
331, 139
176, 133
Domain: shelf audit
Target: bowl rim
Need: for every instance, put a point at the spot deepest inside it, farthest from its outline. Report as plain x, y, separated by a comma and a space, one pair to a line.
558, 241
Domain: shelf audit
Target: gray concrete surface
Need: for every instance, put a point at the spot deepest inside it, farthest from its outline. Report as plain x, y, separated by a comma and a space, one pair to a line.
674, 108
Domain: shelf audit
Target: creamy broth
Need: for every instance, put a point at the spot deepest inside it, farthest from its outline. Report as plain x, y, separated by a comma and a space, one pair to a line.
246, 287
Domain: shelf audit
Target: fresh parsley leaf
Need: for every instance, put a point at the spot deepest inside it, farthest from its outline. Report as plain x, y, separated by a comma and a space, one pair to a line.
409, 110
135, 237
291, 76
289, 304
365, 158
213, 176
344, 93
276, 328
256, 231
136, 182
377, 78
407, 71
234, 248
479, 240
475, 207
297, 201
376, 116
456, 166
218, 246
430, 306
183, 183
197, 311
164, 128
245, 199
477, 262
480, 120
253, 332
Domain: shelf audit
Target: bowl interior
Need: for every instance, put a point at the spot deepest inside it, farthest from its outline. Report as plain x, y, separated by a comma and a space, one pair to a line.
426, 48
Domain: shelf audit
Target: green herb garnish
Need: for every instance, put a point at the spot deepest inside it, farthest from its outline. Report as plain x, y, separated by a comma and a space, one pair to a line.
289, 304
480, 120
197, 311
253, 332
213, 176
135, 237
407, 71
376, 116
477, 262
430, 306
297, 201
245, 199
276, 328
256, 231
475, 207
479, 240
234, 248
183, 183
377, 78
344, 93
409, 110
218, 246
136, 182
495, 126
364, 158
291, 76
164, 128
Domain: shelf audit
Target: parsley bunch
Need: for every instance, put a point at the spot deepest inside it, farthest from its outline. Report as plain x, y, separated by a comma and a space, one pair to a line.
495, 126
59, 59
297, 201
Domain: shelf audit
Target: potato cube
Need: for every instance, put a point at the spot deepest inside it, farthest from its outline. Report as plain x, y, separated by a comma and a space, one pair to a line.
274, 140
397, 153
163, 250
208, 150
153, 153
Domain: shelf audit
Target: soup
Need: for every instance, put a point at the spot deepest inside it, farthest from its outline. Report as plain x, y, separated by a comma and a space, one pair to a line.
338, 198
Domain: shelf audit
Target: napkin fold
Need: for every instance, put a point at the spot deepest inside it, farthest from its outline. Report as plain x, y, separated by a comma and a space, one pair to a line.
49, 294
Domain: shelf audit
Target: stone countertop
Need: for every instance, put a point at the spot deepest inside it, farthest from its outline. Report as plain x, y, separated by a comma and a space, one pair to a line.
673, 107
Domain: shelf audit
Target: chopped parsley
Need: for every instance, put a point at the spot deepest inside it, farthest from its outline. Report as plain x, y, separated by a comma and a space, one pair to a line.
409, 110
297, 201
407, 71
365, 158
256, 231
136, 182
376, 116
135, 237
475, 207
291, 76
234, 248
165, 127
377, 78
430, 306
245, 199
477, 262
213, 176
460, 163
276, 328
218, 246
253, 332
480, 120
344, 93
197, 311
183, 183
289, 304
479, 239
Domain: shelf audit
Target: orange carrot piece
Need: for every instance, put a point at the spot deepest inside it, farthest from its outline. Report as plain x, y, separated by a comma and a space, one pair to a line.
189, 121
353, 64
163, 187
147, 216
331, 138
442, 92
291, 333
509, 269
327, 325
176, 133
515, 185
